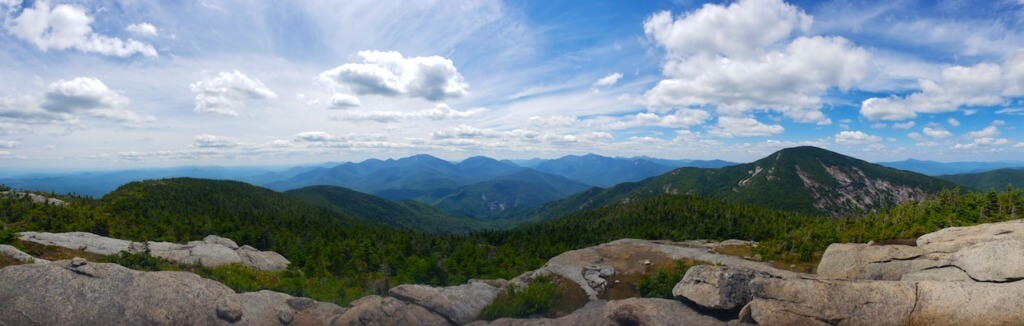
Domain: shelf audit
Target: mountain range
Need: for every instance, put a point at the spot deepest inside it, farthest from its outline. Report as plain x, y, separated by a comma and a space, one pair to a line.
942, 168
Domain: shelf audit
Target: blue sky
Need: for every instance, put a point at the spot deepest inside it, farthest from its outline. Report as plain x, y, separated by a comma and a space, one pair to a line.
90, 84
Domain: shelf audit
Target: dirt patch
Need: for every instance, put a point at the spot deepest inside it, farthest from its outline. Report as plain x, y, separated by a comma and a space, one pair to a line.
57, 253
790, 263
626, 285
8, 261
572, 298
902, 242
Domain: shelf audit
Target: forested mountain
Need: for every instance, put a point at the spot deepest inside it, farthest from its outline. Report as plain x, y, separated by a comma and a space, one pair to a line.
407, 214
602, 171
97, 184
519, 191
996, 179
942, 168
809, 180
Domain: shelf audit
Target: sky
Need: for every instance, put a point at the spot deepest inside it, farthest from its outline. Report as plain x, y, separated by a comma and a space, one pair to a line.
130, 83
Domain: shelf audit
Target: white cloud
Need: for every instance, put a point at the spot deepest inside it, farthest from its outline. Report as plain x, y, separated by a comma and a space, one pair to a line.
744, 57
143, 29
8, 144
879, 125
904, 125
953, 122
855, 138
211, 141
937, 133
1019, 145
64, 27
228, 92
1011, 111
313, 136
987, 132
984, 84
433, 78
344, 101
729, 127
982, 142
438, 113
554, 121
64, 101
607, 81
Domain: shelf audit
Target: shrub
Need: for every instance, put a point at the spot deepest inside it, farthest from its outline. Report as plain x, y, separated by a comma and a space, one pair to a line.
533, 300
143, 261
661, 284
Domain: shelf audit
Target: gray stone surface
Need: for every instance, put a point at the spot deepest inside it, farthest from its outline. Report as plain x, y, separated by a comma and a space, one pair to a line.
717, 287
63, 293
84, 241
969, 303
376, 310
633, 311
458, 304
833, 302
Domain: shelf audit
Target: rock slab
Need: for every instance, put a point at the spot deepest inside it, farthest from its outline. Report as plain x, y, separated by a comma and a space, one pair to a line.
458, 304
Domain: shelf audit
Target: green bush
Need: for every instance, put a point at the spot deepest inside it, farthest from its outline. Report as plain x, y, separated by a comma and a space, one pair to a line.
7, 236
533, 300
143, 261
661, 284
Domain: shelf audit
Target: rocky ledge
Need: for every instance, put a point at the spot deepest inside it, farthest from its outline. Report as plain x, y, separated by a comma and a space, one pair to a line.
212, 251
956, 276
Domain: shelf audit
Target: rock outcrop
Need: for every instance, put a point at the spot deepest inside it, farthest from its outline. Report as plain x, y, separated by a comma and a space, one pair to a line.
81, 293
377, 310
213, 251
987, 253
458, 304
589, 267
633, 311
957, 276
38, 199
717, 287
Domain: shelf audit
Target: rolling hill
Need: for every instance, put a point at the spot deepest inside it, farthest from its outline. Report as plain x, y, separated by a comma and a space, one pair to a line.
519, 191
802, 179
943, 168
407, 214
991, 180
602, 171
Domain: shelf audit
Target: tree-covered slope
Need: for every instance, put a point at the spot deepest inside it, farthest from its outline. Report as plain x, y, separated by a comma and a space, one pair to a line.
522, 190
403, 214
809, 180
996, 179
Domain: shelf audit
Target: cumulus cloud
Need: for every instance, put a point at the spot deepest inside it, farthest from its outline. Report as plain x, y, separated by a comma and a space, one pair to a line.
855, 138
438, 113
554, 121
984, 84
987, 132
729, 127
937, 133
143, 29
344, 101
66, 26
1011, 111
747, 56
982, 142
65, 101
681, 118
953, 122
607, 81
8, 144
211, 141
433, 78
227, 92
904, 125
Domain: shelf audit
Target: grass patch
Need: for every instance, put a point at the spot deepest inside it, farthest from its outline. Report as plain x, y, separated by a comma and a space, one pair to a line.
790, 261
53, 253
534, 300
572, 297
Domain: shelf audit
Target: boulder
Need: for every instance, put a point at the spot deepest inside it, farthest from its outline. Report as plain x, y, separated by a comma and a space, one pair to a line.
632, 311
856, 261
955, 238
376, 310
84, 241
84, 293
11, 251
829, 302
458, 304
717, 287
38, 199
212, 239
992, 261
969, 303
263, 260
